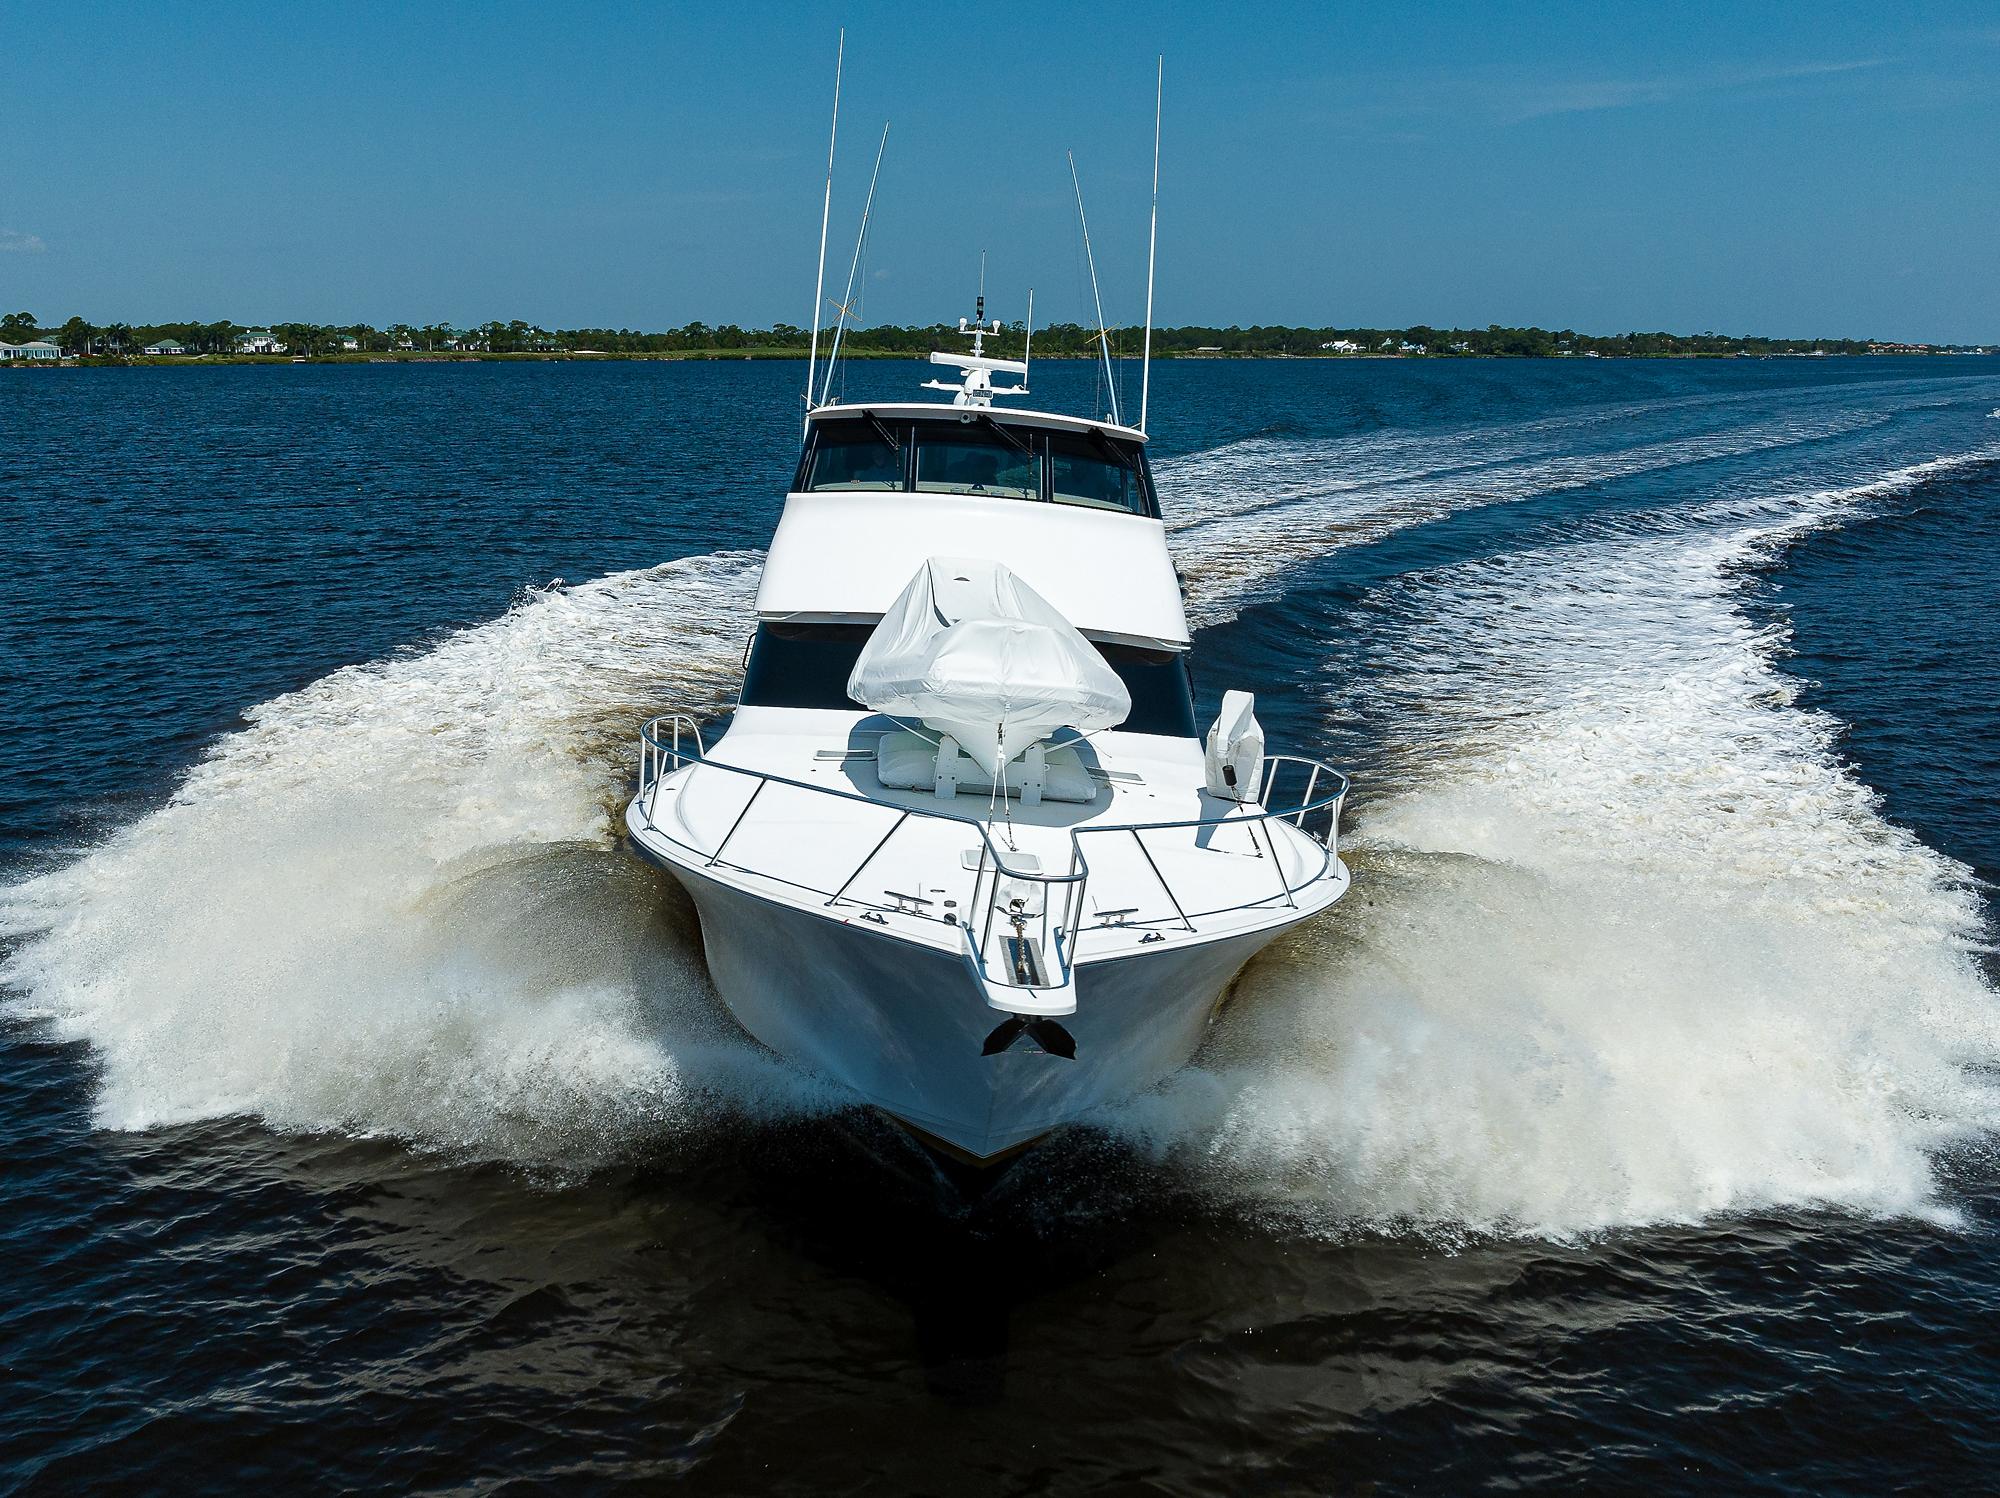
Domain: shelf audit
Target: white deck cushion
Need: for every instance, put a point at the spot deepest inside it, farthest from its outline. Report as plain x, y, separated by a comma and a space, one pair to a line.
905, 761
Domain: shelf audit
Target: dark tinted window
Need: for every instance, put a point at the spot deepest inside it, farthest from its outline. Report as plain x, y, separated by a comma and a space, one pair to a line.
807, 665
803, 665
855, 455
1158, 683
1100, 474
1094, 471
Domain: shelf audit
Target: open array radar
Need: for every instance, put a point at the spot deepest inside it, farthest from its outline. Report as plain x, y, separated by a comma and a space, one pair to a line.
961, 846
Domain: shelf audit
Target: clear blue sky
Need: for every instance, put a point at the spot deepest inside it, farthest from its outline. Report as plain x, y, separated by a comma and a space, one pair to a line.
1807, 169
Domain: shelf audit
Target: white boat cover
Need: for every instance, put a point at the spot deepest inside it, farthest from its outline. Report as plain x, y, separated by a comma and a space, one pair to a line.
970, 650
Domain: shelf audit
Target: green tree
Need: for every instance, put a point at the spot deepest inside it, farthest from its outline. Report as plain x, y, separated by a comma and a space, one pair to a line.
18, 327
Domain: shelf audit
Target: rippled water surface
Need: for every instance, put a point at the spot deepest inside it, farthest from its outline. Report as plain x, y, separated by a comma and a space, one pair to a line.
370, 1123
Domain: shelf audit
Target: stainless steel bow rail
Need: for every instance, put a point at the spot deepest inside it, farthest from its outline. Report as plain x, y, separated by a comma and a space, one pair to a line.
1316, 815
1035, 947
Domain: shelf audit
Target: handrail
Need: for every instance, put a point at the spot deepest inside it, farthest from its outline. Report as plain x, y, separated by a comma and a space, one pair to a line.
661, 756
1147, 854
682, 758
1261, 817
1241, 812
896, 827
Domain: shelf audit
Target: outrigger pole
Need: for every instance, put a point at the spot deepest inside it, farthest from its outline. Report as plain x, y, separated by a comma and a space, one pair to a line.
1103, 341
847, 301
825, 211
1152, 240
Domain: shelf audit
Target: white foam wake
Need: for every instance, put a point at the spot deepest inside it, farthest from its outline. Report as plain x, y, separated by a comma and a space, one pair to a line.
1629, 945
1296, 501
392, 903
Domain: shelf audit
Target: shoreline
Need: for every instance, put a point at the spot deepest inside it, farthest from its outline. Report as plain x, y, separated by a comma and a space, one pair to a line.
682, 356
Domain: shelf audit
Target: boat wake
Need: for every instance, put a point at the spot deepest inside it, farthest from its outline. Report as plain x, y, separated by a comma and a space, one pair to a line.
1628, 945
392, 903
1243, 515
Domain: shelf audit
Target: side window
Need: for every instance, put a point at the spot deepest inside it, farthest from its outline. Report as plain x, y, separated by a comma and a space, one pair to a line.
1157, 680
948, 463
853, 455
803, 665
1097, 474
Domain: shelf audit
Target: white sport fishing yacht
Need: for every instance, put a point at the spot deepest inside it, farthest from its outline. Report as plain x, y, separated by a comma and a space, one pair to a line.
961, 847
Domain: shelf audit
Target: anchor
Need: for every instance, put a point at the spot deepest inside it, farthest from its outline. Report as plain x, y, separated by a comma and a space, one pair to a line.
1045, 1034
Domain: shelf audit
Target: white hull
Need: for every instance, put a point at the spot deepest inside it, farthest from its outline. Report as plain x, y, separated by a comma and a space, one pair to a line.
903, 1025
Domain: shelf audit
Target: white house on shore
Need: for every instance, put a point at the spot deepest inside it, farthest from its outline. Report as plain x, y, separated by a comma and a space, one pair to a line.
164, 346
1341, 346
258, 341
39, 350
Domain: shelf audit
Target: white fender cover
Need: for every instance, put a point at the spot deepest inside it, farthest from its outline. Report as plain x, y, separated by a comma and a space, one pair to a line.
970, 650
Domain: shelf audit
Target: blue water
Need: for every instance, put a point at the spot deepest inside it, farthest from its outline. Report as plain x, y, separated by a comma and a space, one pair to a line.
370, 1123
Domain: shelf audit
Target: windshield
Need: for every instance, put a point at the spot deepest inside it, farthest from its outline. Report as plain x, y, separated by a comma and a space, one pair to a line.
856, 455
1096, 474
807, 665
951, 463
977, 456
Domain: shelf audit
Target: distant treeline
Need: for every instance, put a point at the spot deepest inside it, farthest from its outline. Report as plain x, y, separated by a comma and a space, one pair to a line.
115, 340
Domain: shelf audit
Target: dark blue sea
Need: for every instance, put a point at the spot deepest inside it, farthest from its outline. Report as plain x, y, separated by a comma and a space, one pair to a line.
369, 1123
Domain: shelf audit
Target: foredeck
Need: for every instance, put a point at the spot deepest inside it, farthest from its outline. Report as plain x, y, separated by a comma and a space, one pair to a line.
789, 805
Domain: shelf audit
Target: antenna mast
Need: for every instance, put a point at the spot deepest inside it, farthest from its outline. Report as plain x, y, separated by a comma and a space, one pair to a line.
825, 210
847, 302
1103, 342
1152, 240
977, 389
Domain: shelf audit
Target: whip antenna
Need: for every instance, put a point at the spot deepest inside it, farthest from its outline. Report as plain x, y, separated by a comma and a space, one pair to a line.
1152, 240
825, 210
847, 302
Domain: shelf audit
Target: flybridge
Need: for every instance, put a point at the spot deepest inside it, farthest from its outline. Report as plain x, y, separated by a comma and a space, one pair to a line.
967, 449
